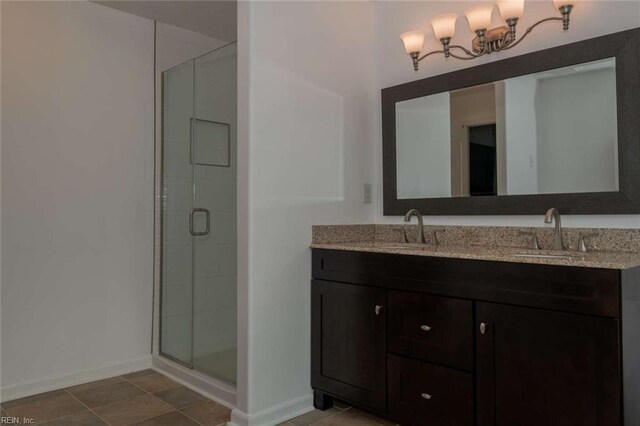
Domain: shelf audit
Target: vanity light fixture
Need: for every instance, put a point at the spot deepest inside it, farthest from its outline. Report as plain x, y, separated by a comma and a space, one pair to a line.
479, 19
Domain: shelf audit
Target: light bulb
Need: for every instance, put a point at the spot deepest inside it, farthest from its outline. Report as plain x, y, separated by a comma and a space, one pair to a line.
444, 26
479, 17
560, 3
511, 9
413, 41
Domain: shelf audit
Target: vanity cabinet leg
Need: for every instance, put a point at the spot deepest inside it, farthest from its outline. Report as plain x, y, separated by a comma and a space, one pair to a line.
321, 400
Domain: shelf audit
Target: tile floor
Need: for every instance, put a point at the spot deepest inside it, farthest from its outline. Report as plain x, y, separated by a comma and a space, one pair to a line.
147, 398
144, 398
340, 415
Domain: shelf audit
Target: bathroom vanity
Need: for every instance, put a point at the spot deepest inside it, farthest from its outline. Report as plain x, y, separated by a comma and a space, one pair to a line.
427, 335
481, 330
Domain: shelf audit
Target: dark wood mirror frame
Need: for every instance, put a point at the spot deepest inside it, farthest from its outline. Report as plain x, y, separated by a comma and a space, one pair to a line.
624, 46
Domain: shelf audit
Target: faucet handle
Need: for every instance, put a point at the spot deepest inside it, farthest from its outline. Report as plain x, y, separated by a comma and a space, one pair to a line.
582, 247
404, 236
533, 242
436, 241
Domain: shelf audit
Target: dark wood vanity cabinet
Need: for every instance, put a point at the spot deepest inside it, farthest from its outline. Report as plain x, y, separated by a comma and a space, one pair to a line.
434, 341
537, 367
349, 342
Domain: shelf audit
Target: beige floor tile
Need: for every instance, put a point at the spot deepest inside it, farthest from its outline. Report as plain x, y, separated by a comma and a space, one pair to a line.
340, 405
154, 382
30, 399
103, 395
314, 416
86, 418
346, 418
120, 401
133, 410
208, 413
180, 397
96, 384
373, 417
45, 407
174, 418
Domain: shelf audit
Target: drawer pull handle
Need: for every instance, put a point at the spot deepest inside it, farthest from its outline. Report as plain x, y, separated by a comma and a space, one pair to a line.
425, 328
483, 328
426, 396
378, 309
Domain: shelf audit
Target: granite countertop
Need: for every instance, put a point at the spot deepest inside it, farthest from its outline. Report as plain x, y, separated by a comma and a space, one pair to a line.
605, 260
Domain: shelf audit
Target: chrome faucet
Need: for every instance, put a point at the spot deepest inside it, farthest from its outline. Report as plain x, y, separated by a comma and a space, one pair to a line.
554, 214
420, 231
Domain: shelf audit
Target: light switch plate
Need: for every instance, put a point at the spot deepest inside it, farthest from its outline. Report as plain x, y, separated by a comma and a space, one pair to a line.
367, 193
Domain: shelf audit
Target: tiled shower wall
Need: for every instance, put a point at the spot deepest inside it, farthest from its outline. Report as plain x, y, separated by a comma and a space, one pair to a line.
214, 289
215, 306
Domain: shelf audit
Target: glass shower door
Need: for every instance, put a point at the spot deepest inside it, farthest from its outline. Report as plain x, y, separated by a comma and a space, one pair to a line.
176, 314
198, 311
215, 265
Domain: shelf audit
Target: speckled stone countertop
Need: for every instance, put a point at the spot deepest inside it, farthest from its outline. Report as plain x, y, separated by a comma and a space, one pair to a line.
501, 244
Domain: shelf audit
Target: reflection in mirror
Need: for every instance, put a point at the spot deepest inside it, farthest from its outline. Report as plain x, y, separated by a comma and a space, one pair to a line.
545, 133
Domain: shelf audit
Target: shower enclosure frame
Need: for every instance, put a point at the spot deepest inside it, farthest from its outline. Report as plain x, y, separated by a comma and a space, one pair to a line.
215, 386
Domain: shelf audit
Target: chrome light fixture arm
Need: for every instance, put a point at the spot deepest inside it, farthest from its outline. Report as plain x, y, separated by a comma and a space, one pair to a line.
469, 53
511, 44
486, 41
416, 58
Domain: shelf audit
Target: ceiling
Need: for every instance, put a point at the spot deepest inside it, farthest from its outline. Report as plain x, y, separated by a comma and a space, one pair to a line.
214, 18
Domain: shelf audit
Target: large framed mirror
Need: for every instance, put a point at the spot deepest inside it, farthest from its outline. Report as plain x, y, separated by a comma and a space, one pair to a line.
555, 128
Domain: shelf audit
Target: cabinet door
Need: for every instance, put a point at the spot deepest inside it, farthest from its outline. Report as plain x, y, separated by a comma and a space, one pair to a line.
537, 367
349, 342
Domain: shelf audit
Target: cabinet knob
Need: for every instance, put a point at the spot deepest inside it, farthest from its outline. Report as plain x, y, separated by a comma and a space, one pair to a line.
425, 328
483, 328
378, 309
426, 396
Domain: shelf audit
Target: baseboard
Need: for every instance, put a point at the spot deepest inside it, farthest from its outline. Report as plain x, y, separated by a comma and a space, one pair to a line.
216, 390
273, 415
20, 390
238, 418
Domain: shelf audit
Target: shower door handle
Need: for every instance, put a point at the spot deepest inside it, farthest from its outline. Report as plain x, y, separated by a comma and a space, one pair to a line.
208, 219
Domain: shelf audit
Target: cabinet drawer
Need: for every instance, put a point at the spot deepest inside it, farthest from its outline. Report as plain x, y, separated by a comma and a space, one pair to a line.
425, 394
432, 328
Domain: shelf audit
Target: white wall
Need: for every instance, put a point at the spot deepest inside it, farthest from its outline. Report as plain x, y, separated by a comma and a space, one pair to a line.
77, 182
577, 147
521, 128
393, 66
424, 147
308, 129
176, 45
